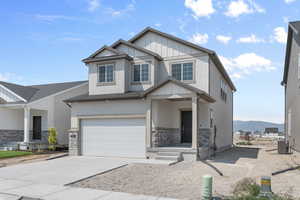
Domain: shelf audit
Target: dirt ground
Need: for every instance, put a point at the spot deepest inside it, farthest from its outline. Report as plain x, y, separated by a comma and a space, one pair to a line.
183, 180
27, 159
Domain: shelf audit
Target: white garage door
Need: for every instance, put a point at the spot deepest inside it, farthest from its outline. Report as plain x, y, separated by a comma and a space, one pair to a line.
113, 137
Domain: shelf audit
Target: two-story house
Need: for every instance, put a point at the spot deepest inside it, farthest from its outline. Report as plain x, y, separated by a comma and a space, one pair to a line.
291, 83
154, 95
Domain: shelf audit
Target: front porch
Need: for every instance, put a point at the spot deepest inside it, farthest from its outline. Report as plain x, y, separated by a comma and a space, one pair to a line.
25, 127
180, 123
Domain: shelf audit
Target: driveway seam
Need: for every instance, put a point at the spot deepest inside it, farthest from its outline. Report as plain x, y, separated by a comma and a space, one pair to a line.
95, 175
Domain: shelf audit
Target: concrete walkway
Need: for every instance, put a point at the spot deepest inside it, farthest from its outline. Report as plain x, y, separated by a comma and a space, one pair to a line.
16, 189
47, 180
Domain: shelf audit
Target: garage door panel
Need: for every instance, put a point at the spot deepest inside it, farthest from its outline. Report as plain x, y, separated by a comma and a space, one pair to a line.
113, 137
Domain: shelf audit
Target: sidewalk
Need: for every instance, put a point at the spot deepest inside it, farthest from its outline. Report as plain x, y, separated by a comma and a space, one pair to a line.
53, 192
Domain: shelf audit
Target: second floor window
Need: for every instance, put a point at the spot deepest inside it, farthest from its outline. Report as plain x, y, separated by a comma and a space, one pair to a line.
141, 73
223, 91
106, 73
182, 71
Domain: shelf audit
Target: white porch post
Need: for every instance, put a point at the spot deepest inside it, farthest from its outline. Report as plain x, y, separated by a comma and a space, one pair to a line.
149, 125
26, 124
195, 122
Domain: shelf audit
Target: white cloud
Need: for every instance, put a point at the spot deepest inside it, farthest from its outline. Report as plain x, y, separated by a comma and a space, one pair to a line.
223, 39
289, 1
93, 5
250, 39
117, 13
279, 35
246, 64
157, 24
239, 7
11, 77
200, 8
199, 38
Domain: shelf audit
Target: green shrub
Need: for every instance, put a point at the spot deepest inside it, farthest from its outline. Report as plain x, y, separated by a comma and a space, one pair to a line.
248, 189
52, 139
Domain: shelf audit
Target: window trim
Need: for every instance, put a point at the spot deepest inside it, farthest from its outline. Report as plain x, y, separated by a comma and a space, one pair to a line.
149, 63
183, 62
98, 73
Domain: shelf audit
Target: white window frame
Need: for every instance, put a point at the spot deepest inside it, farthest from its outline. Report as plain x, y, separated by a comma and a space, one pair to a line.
98, 73
182, 63
149, 72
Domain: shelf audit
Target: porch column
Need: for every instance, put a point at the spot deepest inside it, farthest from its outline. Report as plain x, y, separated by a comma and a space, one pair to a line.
149, 125
26, 124
195, 122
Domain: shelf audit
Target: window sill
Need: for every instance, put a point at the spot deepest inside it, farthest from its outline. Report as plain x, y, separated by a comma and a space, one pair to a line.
106, 84
141, 83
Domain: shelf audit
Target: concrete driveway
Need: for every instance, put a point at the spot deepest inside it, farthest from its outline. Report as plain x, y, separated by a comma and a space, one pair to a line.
61, 171
48, 179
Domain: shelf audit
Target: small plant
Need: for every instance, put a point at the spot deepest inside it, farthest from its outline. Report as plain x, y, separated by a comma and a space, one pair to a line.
52, 139
246, 187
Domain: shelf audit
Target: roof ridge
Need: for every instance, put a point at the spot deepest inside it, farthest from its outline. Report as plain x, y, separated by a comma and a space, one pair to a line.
137, 47
134, 38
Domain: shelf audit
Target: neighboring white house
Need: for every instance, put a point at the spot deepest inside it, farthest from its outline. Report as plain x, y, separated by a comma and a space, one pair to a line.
291, 83
26, 112
155, 95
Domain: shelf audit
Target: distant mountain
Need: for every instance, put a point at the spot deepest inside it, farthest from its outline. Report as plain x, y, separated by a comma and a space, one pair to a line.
255, 125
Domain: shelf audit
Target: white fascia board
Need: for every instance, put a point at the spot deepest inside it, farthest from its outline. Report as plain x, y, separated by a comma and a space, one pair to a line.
19, 97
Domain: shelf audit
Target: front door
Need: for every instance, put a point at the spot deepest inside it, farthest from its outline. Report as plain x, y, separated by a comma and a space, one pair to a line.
37, 128
186, 126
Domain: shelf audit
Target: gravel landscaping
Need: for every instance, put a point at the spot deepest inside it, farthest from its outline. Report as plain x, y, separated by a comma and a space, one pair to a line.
183, 180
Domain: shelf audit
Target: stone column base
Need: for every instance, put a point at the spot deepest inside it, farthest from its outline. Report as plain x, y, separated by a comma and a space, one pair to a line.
74, 142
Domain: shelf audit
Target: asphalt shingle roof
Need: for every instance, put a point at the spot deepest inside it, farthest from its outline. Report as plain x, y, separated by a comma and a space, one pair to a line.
35, 92
138, 95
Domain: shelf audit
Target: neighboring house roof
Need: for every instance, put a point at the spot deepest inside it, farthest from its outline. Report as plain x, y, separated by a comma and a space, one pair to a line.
146, 51
23, 91
211, 53
36, 92
294, 28
138, 95
107, 58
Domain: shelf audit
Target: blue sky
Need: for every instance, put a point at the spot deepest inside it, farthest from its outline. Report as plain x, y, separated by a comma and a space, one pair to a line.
43, 41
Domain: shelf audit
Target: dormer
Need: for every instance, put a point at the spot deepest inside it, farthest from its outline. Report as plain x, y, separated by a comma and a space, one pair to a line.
107, 71
120, 68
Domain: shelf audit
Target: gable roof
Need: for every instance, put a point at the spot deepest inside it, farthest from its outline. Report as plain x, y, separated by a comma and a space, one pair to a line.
201, 93
146, 51
211, 53
105, 47
36, 92
294, 28
106, 58
20, 90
